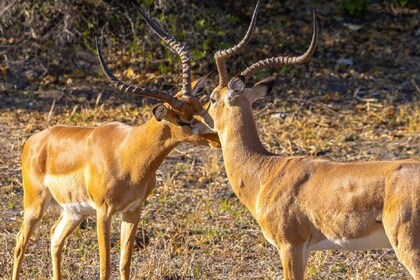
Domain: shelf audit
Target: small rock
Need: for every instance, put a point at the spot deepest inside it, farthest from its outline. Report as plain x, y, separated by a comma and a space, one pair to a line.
345, 61
376, 95
351, 26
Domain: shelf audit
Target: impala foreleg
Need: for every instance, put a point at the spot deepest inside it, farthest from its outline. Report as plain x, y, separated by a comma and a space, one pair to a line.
59, 233
128, 232
104, 242
293, 259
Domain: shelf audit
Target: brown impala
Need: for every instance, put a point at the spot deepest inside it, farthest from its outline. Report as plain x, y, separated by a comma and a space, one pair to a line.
108, 169
305, 204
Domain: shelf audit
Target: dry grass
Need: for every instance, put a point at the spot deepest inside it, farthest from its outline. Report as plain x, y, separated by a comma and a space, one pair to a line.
193, 227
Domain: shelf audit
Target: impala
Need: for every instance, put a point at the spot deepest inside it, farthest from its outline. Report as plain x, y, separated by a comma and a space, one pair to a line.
108, 169
303, 204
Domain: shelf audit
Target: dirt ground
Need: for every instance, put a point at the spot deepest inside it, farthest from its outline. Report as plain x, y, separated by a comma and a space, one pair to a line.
357, 99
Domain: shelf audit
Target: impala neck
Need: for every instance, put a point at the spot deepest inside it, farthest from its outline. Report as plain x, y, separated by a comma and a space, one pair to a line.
147, 147
244, 156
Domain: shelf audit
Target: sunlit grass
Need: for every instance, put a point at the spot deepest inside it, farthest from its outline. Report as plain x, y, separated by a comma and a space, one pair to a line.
192, 225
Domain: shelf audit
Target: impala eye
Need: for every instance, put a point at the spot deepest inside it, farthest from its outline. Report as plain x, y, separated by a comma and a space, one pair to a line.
212, 98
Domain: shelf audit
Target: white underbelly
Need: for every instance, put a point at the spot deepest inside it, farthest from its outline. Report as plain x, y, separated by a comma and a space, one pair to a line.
70, 193
375, 240
80, 208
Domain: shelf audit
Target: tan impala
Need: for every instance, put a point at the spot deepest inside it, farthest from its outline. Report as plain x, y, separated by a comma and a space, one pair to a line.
108, 169
304, 203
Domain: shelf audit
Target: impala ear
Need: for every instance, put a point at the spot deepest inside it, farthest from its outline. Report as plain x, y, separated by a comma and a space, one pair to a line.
200, 85
236, 86
159, 111
262, 88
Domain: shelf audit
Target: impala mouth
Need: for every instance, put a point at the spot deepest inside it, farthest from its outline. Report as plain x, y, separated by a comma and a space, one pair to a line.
203, 125
181, 123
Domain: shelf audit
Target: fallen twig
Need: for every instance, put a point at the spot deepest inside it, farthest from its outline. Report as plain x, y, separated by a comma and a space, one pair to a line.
50, 113
417, 87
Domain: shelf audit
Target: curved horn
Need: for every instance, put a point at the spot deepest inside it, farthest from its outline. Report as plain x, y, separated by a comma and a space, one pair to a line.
154, 93
179, 48
221, 55
284, 60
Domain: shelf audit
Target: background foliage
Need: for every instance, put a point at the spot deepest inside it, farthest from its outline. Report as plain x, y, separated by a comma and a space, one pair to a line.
60, 34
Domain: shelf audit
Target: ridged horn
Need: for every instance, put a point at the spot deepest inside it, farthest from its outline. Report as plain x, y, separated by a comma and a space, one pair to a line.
179, 48
284, 60
153, 93
221, 55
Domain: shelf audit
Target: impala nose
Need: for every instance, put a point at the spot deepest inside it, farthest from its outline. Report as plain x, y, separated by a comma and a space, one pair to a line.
193, 124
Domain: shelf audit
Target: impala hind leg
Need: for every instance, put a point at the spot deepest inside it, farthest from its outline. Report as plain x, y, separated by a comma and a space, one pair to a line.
128, 232
293, 259
36, 202
401, 225
59, 232
410, 258
407, 250
405, 240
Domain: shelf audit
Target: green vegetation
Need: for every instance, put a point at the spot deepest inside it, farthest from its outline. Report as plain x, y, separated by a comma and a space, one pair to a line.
359, 7
355, 7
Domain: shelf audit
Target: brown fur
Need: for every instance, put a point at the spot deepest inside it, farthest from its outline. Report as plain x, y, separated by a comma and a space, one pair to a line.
102, 171
307, 203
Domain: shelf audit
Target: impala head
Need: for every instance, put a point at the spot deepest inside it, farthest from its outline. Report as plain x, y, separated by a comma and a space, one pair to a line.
235, 99
232, 97
189, 122
182, 112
